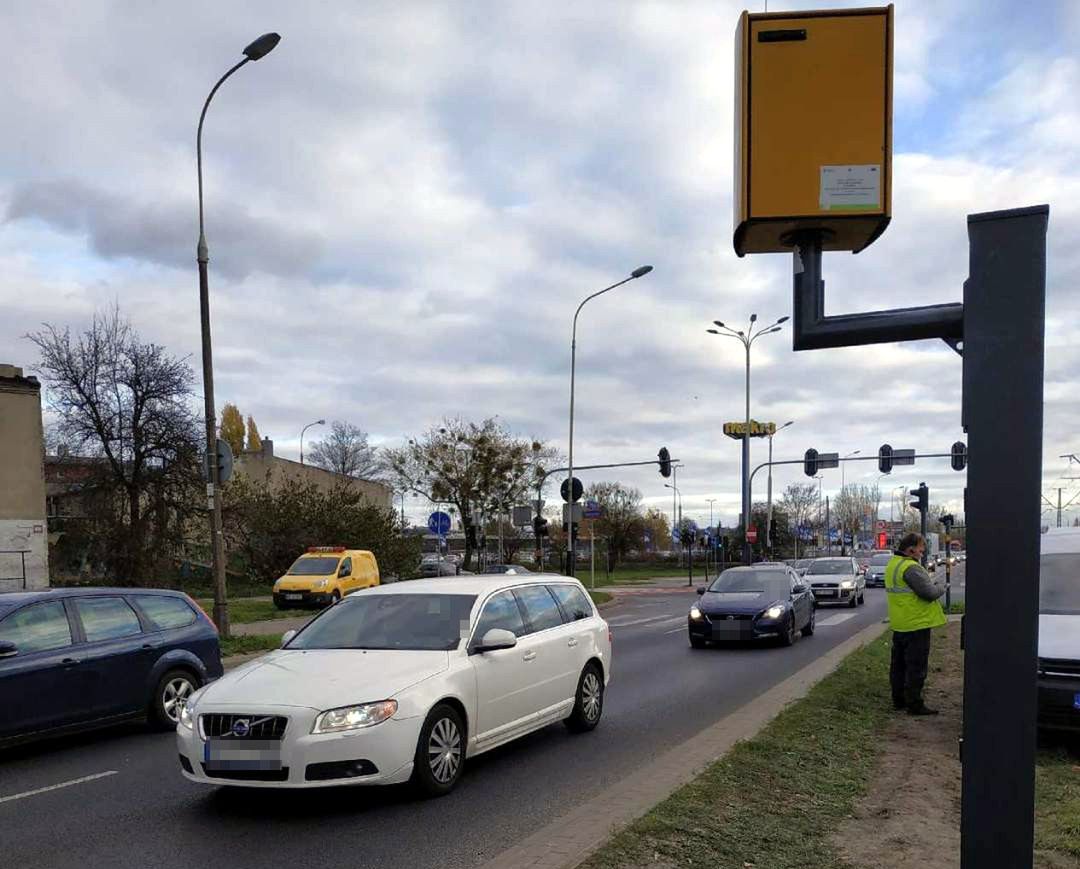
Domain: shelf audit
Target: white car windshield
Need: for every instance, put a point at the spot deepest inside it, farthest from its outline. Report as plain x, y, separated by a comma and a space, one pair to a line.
880, 560
1059, 584
830, 566
390, 621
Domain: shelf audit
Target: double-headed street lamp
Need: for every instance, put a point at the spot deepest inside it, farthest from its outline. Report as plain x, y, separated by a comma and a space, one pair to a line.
304, 429
768, 514
640, 271
259, 48
747, 337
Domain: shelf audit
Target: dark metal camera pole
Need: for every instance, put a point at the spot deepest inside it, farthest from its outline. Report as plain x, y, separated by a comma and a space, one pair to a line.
257, 49
999, 332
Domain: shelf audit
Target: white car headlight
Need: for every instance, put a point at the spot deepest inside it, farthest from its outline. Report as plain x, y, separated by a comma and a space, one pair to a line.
354, 717
847, 583
774, 612
695, 613
187, 717
319, 584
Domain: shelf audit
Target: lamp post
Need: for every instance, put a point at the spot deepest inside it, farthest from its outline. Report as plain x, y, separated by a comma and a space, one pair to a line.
257, 49
747, 338
768, 514
304, 429
640, 271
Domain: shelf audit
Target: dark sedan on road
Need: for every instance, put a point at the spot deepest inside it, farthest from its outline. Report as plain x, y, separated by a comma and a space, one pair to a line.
752, 603
75, 659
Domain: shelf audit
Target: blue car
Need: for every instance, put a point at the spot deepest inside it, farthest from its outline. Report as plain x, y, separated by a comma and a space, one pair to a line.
752, 603
75, 659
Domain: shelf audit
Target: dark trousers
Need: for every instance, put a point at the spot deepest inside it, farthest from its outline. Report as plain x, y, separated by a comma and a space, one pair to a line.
910, 659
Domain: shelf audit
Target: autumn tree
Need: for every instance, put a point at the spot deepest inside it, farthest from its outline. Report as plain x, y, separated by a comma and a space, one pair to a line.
477, 467
855, 509
345, 451
254, 442
127, 404
656, 527
231, 428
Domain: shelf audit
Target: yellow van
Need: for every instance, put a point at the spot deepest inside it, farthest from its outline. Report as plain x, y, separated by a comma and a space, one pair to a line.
324, 575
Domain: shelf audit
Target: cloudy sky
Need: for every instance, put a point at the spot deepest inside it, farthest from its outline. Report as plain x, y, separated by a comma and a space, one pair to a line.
407, 200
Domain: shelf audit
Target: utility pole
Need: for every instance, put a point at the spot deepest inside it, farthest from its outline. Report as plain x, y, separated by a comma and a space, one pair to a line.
828, 527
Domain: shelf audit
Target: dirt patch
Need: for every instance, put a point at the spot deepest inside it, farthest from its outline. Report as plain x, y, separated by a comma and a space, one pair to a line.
910, 817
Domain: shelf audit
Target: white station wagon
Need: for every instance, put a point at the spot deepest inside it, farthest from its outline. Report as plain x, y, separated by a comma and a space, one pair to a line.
404, 682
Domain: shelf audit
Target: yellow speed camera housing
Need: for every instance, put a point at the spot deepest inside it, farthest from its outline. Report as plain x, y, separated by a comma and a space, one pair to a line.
813, 128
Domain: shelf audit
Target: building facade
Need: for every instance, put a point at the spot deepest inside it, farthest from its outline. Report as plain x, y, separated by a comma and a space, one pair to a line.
24, 547
264, 465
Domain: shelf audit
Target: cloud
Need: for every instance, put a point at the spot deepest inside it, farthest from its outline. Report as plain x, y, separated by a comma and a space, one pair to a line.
406, 204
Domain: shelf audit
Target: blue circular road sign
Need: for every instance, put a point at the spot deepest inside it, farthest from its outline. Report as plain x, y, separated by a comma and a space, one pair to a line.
439, 523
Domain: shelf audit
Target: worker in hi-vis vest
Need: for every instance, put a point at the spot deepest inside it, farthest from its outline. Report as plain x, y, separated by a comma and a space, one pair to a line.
913, 610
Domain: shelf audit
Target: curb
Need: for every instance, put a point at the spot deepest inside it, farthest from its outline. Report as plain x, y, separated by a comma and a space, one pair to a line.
568, 841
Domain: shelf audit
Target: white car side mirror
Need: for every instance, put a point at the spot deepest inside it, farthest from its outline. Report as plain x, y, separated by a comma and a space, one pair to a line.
285, 637
497, 638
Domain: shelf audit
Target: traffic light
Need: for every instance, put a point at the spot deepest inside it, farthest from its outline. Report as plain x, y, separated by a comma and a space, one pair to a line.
810, 462
540, 527
959, 456
922, 495
884, 459
665, 462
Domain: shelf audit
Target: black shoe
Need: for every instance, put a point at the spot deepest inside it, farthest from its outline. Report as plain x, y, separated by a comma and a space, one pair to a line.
899, 707
921, 709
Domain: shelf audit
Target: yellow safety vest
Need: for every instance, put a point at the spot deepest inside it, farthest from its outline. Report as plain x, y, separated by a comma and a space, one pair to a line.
908, 611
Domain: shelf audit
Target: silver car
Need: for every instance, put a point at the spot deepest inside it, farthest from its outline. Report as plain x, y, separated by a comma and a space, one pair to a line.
1059, 630
836, 580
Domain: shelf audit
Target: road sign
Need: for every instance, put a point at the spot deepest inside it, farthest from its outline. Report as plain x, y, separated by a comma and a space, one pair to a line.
828, 460
880, 524
577, 513
592, 510
903, 457
751, 534
523, 516
224, 461
439, 523
565, 492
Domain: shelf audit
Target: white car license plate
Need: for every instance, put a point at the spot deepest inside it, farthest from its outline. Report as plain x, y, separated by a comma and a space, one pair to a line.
294, 597
228, 754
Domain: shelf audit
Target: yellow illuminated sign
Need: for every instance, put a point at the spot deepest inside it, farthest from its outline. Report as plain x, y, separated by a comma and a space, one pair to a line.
737, 430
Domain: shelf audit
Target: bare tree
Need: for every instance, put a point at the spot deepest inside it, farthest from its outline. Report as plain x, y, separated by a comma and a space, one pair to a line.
621, 522
855, 508
800, 503
127, 404
345, 451
474, 466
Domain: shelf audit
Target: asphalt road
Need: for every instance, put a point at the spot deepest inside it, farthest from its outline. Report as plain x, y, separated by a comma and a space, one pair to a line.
142, 813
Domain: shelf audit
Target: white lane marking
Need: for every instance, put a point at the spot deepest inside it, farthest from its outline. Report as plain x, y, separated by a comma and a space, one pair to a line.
838, 619
676, 631
643, 621
57, 787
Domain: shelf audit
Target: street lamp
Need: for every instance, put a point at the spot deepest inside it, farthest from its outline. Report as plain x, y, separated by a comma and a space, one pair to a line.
257, 49
768, 513
747, 338
675, 524
640, 271
304, 429
843, 468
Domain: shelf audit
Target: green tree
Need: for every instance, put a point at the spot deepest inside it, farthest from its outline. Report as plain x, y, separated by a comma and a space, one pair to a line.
254, 442
655, 524
268, 526
231, 429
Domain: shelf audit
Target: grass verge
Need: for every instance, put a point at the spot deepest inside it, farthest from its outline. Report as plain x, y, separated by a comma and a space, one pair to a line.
1057, 807
635, 574
243, 610
773, 800
243, 645
599, 597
